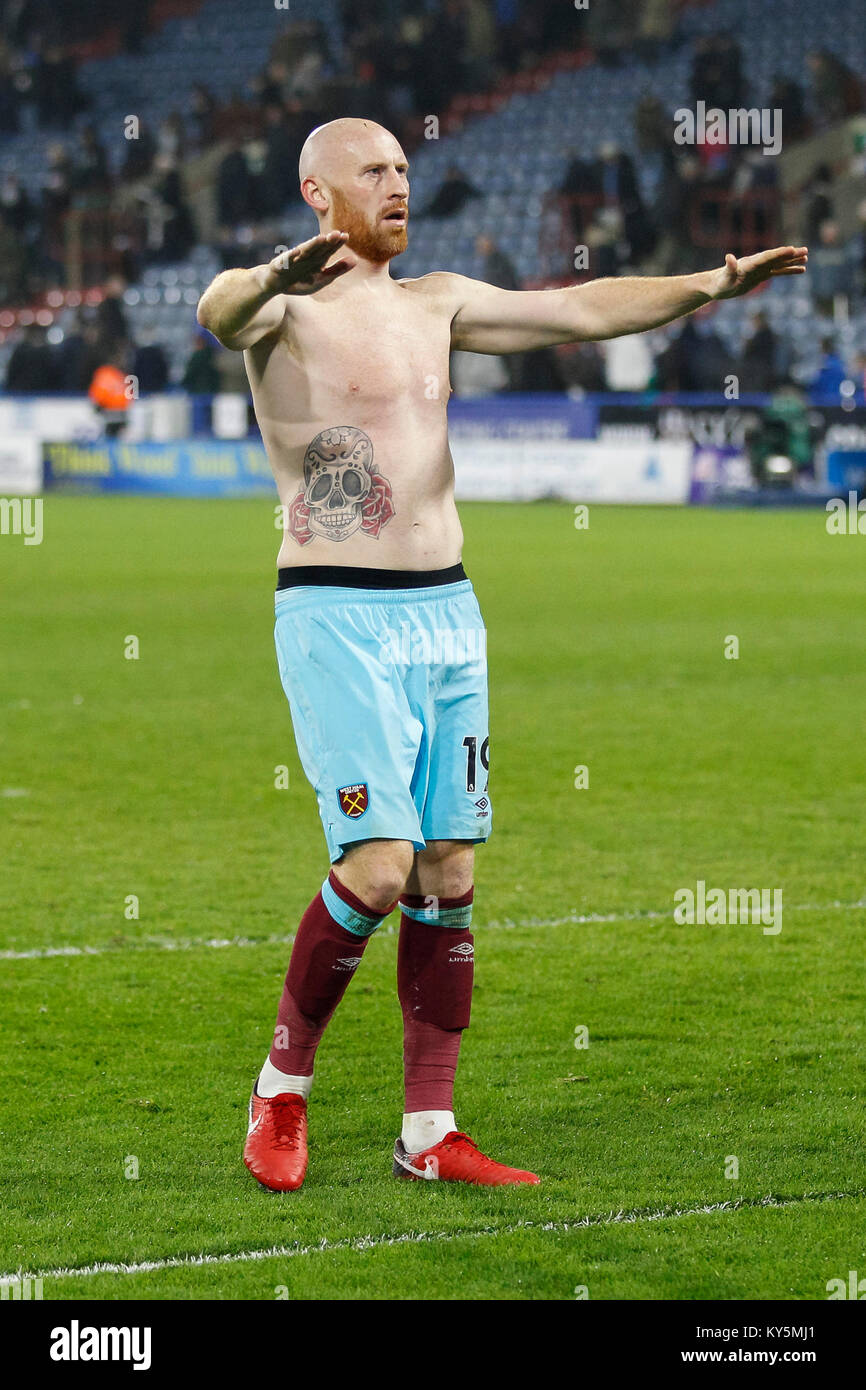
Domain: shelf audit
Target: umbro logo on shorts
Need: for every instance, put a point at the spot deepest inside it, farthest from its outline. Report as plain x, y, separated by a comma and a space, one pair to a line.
353, 800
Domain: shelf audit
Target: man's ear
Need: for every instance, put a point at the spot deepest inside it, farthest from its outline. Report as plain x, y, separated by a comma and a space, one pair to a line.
313, 194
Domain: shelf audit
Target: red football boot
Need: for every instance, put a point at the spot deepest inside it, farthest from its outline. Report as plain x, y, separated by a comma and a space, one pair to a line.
456, 1158
276, 1147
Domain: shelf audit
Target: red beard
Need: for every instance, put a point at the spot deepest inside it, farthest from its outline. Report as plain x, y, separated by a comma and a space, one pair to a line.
377, 242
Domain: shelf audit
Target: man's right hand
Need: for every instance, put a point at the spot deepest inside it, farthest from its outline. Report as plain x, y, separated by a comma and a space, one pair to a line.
240, 307
302, 269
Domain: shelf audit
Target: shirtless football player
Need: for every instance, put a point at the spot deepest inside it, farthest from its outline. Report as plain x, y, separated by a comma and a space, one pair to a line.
379, 637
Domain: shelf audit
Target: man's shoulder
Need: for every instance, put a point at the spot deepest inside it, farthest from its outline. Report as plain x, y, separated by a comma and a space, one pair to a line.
438, 286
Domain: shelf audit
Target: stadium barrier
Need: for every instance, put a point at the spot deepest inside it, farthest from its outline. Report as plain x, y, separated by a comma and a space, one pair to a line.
603, 448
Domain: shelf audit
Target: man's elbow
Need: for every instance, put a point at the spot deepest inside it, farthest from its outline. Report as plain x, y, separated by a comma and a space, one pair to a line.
206, 313
206, 318
203, 315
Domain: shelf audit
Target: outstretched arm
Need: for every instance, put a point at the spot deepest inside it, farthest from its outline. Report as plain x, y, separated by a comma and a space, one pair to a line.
241, 306
501, 321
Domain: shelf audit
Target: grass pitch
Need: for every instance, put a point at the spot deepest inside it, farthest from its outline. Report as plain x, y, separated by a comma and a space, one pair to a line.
153, 779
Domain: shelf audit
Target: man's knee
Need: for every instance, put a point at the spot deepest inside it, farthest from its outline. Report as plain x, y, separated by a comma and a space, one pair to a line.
376, 870
445, 869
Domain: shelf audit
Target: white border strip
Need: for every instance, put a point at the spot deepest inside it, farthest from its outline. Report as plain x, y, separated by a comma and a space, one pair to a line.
359, 1244
213, 943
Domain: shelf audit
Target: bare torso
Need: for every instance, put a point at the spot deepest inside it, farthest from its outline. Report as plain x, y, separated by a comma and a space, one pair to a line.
351, 396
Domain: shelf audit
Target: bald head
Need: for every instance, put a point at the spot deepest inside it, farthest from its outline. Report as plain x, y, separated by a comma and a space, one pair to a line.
335, 147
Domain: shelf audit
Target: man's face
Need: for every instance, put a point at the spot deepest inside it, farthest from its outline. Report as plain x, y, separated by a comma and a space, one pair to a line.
370, 199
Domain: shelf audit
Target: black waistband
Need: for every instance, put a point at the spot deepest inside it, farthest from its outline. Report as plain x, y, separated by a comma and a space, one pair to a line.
359, 577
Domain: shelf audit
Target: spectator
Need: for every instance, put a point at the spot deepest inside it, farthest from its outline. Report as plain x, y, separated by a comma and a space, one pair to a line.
271, 86
836, 90
200, 376
655, 29
445, 70
831, 373
479, 51
619, 188
171, 232
16, 209
497, 268
58, 99
204, 105
696, 360
140, 154
31, 368
110, 315
581, 185
14, 267
8, 93
584, 365
605, 243
541, 372
134, 26
758, 369
831, 269
305, 80
91, 163
609, 30
110, 391
78, 356
652, 125
235, 191
856, 251
56, 190
717, 76
171, 137
279, 179
149, 363
452, 195
788, 97
819, 192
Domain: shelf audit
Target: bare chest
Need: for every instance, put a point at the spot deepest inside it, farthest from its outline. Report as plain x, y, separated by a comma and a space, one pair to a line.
369, 354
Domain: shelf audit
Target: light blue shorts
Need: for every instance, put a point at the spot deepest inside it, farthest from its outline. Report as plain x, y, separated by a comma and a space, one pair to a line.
388, 694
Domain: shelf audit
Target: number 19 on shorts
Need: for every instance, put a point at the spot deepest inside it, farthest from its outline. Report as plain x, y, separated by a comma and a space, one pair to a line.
470, 743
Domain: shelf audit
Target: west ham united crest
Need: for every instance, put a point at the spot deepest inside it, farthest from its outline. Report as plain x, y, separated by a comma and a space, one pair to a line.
353, 800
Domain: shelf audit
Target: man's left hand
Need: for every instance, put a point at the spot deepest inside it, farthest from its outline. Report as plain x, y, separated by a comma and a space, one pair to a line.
739, 276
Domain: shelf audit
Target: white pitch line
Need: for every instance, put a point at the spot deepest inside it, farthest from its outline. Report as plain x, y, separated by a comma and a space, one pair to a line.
359, 1244
193, 943
212, 943
221, 943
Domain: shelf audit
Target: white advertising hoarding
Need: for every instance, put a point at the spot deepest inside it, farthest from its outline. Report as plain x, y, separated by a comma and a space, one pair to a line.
576, 470
20, 465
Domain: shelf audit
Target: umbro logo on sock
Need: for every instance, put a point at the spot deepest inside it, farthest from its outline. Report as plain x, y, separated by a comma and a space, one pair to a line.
465, 951
347, 962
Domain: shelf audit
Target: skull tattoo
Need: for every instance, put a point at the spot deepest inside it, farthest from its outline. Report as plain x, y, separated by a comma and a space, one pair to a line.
343, 490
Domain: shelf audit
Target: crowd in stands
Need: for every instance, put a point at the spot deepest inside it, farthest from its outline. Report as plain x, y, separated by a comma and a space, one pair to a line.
400, 58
